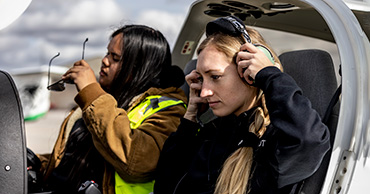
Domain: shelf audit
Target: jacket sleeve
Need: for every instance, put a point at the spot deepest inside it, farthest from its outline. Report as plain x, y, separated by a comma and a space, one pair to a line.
176, 157
302, 139
132, 152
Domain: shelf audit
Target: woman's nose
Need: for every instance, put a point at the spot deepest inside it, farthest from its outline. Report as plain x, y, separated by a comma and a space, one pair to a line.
105, 61
206, 91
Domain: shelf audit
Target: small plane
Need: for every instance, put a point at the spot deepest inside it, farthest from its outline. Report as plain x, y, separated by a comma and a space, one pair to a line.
346, 169
338, 85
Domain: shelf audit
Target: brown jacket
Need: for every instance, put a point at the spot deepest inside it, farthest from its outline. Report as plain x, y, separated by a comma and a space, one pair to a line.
132, 153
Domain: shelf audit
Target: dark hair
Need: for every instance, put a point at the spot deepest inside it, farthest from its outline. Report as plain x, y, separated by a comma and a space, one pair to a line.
145, 63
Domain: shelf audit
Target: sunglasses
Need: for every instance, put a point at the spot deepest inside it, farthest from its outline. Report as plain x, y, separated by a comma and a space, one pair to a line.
61, 84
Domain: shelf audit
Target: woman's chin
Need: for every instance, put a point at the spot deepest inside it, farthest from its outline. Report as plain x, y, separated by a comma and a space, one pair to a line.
219, 113
103, 84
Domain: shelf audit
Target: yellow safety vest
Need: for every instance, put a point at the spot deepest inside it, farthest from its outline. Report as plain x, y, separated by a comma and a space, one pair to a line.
149, 106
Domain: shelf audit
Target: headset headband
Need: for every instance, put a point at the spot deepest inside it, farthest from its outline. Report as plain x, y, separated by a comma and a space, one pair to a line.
229, 25
240, 27
233, 26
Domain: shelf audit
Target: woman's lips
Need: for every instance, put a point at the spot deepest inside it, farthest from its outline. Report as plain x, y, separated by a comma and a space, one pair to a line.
102, 73
213, 103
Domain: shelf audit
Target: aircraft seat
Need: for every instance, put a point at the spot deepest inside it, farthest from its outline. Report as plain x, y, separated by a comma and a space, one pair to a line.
13, 163
314, 73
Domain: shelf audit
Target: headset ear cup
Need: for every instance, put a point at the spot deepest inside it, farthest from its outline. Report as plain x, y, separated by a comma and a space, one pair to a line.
266, 51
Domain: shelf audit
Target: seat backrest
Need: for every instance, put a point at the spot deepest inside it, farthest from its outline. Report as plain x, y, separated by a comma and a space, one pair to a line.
314, 73
13, 165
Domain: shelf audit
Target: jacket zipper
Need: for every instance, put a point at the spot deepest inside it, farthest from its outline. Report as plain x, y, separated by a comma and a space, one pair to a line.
177, 185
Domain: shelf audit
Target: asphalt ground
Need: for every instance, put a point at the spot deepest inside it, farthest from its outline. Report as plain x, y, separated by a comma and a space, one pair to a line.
42, 133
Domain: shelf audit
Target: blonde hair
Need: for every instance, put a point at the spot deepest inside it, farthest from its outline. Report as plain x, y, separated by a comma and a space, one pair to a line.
236, 171
230, 45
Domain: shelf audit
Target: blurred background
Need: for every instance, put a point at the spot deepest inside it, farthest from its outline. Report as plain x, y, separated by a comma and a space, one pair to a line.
48, 27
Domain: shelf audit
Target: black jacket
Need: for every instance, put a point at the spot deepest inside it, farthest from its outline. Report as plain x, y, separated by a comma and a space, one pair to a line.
291, 149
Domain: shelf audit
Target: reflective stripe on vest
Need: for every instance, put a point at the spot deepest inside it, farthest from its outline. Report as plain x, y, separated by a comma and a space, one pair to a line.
149, 106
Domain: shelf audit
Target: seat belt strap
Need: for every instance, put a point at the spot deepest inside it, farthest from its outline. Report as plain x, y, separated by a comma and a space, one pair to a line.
332, 103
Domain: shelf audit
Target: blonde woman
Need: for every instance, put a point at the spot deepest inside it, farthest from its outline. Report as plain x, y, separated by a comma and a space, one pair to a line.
266, 139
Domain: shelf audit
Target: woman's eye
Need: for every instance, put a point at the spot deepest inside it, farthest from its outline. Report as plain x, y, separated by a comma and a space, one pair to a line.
116, 59
215, 76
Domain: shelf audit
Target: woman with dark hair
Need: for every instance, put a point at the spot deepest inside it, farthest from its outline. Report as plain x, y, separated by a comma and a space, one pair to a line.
115, 136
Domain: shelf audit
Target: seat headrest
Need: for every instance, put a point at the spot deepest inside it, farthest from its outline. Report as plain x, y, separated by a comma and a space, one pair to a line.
313, 70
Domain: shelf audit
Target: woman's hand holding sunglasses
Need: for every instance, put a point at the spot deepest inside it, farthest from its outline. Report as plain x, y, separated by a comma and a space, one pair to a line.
81, 74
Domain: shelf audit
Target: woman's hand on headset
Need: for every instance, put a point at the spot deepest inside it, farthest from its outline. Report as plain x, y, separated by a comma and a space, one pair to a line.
195, 87
250, 61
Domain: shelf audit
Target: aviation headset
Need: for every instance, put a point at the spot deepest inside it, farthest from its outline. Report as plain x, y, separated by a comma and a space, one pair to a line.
235, 27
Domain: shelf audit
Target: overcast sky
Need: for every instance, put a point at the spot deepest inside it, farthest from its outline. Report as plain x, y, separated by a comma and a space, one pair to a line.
51, 26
